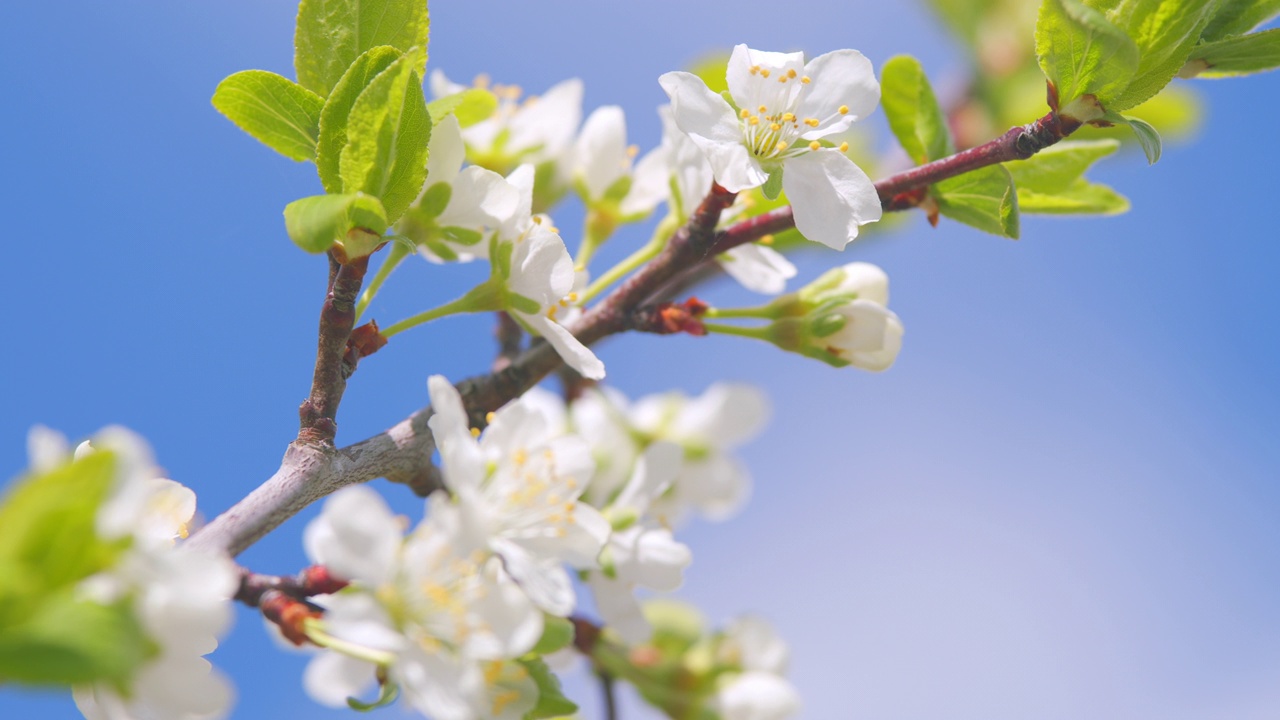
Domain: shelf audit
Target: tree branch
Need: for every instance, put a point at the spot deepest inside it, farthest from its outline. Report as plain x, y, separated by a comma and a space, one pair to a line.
311, 470
318, 414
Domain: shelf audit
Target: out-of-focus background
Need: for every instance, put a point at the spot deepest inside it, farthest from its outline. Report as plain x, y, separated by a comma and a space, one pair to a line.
1060, 503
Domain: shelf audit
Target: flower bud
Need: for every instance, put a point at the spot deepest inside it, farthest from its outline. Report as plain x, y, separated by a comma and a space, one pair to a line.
855, 280
855, 332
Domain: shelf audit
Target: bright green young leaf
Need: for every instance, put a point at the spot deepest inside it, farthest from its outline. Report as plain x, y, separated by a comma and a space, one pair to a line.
470, 106
331, 34
1147, 136
69, 640
1057, 167
1238, 55
315, 223
551, 700
1164, 31
337, 107
1079, 198
1082, 52
387, 133
283, 115
49, 526
912, 110
1236, 17
712, 70
984, 199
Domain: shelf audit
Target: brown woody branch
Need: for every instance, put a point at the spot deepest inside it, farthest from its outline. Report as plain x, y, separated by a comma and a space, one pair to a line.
318, 413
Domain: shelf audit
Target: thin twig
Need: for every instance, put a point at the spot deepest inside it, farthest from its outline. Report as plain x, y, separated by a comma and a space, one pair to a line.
606, 695
318, 414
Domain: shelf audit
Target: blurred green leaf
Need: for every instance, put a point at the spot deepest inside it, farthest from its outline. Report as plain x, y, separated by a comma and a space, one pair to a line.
1079, 198
315, 223
331, 34
70, 640
281, 114
1147, 136
551, 700
1236, 17
912, 110
984, 199
470, 106
387, 694
337, 107
1082, 52
387, 134
557, 633
1238, 55
713, 70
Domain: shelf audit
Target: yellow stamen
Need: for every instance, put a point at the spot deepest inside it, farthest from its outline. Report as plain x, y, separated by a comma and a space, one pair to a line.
815, 145
503, 699
492, 671
788, 117
754, 120
844, 109
791, 72
783, 79
844, 147
780, 146
632, 151
766, 240
520, 457
573, 297
488, 417
763, 108
481, 81
764, 72
745, 114
805, 79
754, 69
775, 127
551, 312
811, 122
475, 432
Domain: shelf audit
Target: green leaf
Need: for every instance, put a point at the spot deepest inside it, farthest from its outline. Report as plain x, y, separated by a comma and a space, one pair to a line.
387, 134
281, 114
69, 640
1079, 198
912, 109
984, 199
1057, 167
713, 70
49, 537
557, 633
551, 700
315, 223
1236, 17
337, 107
470, 106
331, 34
772, 187
1147, 136
1165, 31
1238, 55
1050, 182
1082, 53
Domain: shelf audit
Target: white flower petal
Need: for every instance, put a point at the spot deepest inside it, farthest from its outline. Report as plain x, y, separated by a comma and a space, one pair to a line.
758, 268
547, 125
871, 337
757, 645
650, 183
653, 474
725, 416
46, 449
758, 696
545, 581
751, 90
711, 123
830, 197
460, 455
600, 153
841, 78
616, 602
512, 624
356, 536
575, 354
446, 151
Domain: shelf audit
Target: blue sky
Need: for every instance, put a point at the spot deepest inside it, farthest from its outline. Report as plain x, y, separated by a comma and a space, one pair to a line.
1060, 503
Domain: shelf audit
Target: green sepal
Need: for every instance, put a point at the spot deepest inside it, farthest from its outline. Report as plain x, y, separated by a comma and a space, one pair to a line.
824, 325
387, 134
331, 34
1082, 53
520, 303
69, 640
276, 111
557, 634
433, 202
772, 187
387, 694
470, 106
337, 107
1236, 56
676, 625
316, 223
551, 700
1147, 135
913, 112
985, 199
728, 97
461, 236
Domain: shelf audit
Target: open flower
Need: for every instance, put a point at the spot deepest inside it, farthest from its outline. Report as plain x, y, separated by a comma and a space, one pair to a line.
785, 108
517, 490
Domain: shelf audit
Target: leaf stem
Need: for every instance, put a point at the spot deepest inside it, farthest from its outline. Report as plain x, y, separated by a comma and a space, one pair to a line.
399, 251
633, 261
478, 299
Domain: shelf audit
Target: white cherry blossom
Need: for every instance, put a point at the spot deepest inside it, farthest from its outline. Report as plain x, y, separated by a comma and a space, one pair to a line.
785, 108
759, 691
516, 489
849, 323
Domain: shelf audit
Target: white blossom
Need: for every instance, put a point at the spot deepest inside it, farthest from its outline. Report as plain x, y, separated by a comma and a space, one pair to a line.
850, 323
759, 691
516, 489
785, 108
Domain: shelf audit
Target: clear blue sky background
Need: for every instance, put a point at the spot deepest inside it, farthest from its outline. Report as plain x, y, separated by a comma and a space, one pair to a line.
1060, 503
